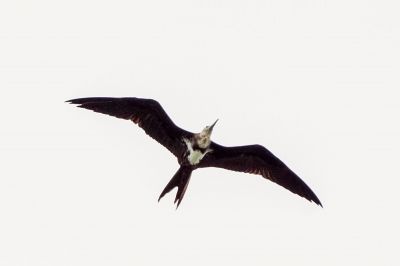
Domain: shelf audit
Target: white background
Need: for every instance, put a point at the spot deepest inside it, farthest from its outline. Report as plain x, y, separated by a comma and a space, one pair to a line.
316, 82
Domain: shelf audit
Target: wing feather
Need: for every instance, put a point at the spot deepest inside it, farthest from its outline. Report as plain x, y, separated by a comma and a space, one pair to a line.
146, 113
256, 159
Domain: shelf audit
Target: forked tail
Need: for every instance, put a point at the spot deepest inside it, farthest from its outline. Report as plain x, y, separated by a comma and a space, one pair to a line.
181, 180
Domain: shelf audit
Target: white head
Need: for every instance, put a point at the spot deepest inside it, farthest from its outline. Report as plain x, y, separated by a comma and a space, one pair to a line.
203, 138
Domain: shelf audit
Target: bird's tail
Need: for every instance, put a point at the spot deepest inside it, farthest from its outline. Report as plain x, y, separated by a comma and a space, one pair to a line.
181, 180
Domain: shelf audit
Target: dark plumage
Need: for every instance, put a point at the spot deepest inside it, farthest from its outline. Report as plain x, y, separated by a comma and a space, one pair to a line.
196, 150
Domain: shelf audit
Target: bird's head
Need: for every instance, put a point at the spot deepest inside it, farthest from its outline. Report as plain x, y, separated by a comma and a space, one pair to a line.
203, 138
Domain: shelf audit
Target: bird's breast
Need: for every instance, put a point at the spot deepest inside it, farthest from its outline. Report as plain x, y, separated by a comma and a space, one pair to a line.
195, 156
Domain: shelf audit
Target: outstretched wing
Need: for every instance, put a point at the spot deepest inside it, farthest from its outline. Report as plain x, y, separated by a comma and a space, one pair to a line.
147, 113
256, 159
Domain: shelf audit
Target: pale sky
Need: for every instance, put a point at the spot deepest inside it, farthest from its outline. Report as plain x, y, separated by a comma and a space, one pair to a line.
316, 82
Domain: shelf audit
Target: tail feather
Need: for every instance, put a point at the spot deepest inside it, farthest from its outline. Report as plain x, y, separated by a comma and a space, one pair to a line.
181, 180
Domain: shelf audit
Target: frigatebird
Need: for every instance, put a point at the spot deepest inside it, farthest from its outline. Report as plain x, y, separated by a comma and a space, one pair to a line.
196, 150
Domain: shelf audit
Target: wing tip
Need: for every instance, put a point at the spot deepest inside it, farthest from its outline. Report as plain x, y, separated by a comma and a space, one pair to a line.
78, 101
315, 199
319, 203
90, 100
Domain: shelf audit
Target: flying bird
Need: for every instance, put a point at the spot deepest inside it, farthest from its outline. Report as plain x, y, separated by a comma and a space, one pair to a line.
196, 150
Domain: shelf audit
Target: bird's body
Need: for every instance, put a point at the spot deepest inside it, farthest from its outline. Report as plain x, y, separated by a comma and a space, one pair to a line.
197, 147
196, 150
194, 155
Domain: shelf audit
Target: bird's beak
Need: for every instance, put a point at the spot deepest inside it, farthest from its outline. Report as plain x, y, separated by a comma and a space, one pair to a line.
212, 126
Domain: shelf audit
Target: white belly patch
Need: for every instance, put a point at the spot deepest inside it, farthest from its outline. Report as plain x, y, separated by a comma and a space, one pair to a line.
195, 157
